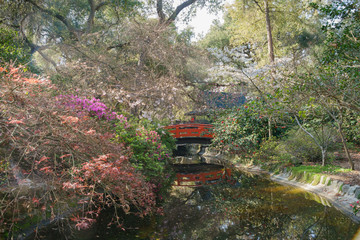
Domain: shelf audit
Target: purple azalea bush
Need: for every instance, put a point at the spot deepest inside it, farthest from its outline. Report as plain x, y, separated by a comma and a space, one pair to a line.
92, 106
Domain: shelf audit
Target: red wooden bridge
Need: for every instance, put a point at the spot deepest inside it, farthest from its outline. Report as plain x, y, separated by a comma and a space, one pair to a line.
191, 132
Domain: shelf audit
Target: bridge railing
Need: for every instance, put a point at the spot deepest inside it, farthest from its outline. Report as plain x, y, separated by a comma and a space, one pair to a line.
191, 130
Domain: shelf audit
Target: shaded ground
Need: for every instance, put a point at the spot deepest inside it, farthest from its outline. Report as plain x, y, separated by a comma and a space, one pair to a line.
353, 177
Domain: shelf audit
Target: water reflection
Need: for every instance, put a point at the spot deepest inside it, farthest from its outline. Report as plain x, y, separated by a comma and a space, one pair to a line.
254, 208
201, 174
257, 209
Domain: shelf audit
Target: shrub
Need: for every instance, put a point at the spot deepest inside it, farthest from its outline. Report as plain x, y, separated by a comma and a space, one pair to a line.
92, 107
239, 129
68, 148
121, 186
302, 148
351, 127
13, 49
268, 151
148, 154
242, 129
273, 154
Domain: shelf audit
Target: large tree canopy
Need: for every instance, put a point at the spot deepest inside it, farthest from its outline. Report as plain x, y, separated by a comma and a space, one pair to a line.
113, 44
293, 26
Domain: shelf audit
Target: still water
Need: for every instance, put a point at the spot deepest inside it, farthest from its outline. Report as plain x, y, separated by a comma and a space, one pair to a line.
252, 208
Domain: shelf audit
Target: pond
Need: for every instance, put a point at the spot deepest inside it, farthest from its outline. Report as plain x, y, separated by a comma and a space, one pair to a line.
253, 207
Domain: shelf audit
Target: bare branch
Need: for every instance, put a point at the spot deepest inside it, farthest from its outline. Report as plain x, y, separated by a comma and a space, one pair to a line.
308, 133
120, 45
353, 66
100, 5
256, 2
33, 47
47, 58
253, 83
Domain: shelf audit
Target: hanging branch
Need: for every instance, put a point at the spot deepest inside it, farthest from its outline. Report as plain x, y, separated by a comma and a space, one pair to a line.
179, 9
58, 16
308, 133
172, 17
33, 47
256, 2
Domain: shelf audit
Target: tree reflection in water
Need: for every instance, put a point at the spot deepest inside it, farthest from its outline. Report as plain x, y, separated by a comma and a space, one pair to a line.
257, 209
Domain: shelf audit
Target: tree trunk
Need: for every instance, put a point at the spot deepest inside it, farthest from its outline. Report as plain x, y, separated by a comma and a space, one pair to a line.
269, 126
323, 156
269, 33
343, 140
345, 147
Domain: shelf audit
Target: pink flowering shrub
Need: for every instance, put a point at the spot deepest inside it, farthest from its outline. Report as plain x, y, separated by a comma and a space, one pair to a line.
65, 145
94, 107
121, 187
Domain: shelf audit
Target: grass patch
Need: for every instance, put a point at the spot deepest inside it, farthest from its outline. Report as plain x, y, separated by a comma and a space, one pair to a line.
311, 174
328, 169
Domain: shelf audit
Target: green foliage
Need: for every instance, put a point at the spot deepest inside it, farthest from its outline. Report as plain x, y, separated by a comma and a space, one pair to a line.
302, 148
239, 129
351, 127
217, 37
12, 49
242, 129
273, 152
328, 169
294, 149
342, 26
149, 154
334, 81
267, 150
293, 28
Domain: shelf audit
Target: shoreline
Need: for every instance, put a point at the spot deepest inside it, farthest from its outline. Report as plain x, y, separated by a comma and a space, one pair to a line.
334, 192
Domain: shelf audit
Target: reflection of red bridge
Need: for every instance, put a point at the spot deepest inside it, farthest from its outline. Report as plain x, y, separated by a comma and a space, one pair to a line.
200, 174
202, 178
191, 132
